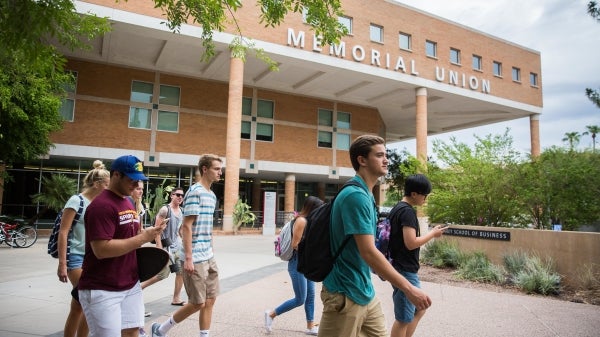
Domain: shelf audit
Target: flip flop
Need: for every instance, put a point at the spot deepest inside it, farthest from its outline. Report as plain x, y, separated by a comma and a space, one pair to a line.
178, 304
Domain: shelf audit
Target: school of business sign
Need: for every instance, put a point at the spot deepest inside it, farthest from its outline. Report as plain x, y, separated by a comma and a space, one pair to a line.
478, 234
385, 60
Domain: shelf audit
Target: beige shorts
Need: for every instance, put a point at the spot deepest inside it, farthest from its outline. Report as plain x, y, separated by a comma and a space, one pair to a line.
342, 317
164, 273
203, 283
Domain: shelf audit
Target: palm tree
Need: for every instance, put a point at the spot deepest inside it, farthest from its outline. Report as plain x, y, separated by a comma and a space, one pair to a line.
573, 139
56, 190
593, 130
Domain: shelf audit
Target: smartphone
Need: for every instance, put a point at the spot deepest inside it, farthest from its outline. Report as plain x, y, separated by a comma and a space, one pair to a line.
166, 220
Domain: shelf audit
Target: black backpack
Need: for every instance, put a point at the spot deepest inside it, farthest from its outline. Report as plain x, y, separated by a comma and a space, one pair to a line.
315, 260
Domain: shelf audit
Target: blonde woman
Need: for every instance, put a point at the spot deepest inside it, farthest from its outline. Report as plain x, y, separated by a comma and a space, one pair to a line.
71, 243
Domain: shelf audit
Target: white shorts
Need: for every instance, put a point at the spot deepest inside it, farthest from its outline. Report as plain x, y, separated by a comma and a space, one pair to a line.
109, 312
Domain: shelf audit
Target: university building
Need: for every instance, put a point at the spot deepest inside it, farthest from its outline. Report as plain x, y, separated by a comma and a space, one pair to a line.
400, 73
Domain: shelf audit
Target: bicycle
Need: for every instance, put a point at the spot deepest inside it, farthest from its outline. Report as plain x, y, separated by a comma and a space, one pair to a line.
17, 235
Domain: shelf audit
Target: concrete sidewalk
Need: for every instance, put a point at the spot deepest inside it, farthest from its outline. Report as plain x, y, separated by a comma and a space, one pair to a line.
35, 303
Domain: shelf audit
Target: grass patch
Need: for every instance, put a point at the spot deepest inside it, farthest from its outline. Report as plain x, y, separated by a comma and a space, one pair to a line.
477, 267
537, 276
442, 254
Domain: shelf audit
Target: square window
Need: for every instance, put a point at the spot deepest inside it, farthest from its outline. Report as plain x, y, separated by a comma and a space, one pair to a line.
246, 129
343, 120
139, 118
516, 74
265, 108
533, 79
264, 132
343, 141
67, 109
346, 22
141, 92
246, 106
325, 117
454, 56
376, 33
431, 48
477, 62
405, 41
168, 121
325, 139
497, 68
169, 95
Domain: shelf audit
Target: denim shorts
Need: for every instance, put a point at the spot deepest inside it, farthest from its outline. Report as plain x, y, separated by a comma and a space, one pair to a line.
75, 261
404, 310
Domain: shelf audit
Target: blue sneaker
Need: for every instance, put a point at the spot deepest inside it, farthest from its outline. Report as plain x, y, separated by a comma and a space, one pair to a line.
155, 332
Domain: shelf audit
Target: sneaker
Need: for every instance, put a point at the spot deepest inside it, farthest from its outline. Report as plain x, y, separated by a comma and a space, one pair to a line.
268, 320
314, 331
155, 332
147, 313
143, 333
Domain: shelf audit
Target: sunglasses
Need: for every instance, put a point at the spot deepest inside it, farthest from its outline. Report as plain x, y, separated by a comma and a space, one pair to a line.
178, 194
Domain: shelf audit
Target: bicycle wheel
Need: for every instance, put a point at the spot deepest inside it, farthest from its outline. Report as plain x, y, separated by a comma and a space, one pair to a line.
25, 236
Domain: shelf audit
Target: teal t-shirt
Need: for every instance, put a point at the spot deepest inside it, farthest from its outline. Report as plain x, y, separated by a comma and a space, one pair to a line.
353, 212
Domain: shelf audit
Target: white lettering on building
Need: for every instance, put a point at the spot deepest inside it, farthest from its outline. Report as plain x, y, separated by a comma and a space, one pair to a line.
359, 54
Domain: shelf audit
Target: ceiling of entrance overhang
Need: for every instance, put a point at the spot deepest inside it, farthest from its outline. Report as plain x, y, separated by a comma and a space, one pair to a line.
144, 48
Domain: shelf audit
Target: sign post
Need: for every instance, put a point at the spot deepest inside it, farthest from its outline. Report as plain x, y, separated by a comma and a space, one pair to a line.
269, 213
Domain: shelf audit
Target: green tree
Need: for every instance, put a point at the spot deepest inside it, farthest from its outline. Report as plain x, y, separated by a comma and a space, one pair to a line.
474, 186
592, 130
32, 76
594, 11
572, 138
565, 185
400, 165
56, 190
321, 15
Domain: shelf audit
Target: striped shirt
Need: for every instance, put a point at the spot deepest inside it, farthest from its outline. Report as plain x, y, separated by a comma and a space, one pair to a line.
200, 203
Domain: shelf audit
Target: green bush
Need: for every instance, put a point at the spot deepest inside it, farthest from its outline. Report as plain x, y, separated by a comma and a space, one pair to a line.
442, 254
477, 267
515, 262
538, 276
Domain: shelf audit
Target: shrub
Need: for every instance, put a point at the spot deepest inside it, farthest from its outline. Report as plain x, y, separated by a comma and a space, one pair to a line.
477, 267
589, 277
515, 262
442, 253
538, 276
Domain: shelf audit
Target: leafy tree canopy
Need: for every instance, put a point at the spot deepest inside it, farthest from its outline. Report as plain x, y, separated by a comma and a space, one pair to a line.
32, 76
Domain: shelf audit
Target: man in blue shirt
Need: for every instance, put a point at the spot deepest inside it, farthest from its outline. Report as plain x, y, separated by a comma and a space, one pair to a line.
350, 307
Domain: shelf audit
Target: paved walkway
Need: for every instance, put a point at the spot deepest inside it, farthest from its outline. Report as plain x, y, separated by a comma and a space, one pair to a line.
35, 303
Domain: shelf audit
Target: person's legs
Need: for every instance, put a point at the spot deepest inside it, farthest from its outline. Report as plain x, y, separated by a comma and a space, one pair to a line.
374, 320
341, 316
75, 324
177, 289
102, 310
405, 314
309, 303
300, 290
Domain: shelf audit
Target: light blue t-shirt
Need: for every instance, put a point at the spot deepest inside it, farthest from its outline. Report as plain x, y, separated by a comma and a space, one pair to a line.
78, 239
200, 203
353, 212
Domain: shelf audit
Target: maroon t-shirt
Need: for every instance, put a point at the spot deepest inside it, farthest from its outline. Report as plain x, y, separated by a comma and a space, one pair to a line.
109, 216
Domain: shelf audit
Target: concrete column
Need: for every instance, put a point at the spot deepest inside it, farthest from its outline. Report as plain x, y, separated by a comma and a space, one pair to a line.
321, 190
421, 124
290, 192
534, 130
232, 151
256, 195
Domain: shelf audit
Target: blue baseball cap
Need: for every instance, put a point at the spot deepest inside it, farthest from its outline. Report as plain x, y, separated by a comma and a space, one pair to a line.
131, 166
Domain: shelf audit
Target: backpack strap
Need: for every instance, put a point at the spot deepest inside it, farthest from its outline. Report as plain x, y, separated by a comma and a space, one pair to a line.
348, 237
79, 211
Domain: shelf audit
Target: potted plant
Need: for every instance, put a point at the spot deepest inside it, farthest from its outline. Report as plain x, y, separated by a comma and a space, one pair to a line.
242, 215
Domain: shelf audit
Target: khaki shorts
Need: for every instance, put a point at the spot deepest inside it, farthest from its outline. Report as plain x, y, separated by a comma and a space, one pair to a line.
164, 273
203, 283
342, 317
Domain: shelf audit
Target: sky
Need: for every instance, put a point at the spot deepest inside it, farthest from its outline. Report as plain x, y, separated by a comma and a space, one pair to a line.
568, 39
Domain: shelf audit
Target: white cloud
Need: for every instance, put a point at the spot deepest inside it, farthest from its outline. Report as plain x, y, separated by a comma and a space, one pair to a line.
568, 41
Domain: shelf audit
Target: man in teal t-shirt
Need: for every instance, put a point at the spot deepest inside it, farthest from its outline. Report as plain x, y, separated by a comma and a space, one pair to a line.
350, 307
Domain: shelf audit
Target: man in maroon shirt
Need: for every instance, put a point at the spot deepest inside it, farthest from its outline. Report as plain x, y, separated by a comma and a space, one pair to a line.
109, 288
